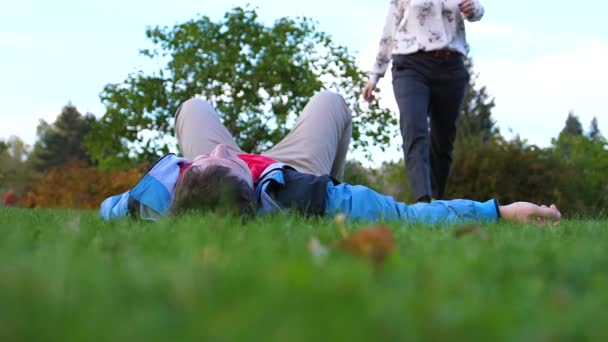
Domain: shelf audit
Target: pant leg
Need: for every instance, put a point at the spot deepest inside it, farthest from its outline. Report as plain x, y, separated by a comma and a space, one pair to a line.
198, 129
447, 94
319, 141
412, 92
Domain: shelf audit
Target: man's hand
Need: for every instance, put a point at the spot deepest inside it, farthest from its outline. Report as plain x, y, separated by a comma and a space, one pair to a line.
467, 7
368, 91
524, 212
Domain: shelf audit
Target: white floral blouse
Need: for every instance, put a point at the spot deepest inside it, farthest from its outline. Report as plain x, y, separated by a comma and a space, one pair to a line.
422, 25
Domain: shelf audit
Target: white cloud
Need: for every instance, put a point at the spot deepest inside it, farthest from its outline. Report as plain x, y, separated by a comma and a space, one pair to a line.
13, 39
24, 125
533, 96
23, 121
520, 61
491, 29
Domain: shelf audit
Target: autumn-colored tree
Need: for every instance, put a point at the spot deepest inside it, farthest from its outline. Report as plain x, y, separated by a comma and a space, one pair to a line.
258, 77
80, 186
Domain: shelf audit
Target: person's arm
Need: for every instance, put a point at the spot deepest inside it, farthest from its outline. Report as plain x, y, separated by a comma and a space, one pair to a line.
472, 9
363, 203
115, 207
383, 57
360, 202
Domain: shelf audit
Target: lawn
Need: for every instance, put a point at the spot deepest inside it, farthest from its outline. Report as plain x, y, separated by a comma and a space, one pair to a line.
68, 276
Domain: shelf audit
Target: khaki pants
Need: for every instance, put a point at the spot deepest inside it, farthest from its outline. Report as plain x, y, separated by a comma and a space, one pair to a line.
317, 143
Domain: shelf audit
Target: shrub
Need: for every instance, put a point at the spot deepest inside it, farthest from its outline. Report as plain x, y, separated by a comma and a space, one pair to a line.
514, 171
76, 185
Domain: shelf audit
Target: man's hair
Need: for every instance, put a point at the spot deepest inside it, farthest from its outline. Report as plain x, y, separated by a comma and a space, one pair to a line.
213, 189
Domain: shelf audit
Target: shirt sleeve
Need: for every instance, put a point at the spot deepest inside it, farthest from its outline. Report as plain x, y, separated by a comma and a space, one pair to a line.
393, 18
478, 13
360, 202
115, 207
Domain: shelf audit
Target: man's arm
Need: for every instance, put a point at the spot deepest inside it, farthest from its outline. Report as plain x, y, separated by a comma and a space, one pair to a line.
360, 202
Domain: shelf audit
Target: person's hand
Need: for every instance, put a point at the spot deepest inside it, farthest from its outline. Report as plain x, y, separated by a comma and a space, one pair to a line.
467, 7
524, 212
368, 91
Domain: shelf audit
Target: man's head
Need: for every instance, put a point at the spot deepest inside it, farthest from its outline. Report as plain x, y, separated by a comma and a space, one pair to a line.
218, 181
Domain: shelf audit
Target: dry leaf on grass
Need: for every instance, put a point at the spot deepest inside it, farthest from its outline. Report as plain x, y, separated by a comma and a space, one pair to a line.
73, 225
210, 254
470, 229
316, 249
374, 243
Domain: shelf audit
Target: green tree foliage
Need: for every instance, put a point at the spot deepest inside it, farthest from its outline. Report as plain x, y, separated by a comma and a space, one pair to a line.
589, 157
594, 130
14, 172
62, 140
476, 120
512, 171
258, 77
573, 125
389, 178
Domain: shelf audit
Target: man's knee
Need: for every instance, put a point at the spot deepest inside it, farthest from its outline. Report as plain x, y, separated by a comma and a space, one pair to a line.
194, 105
334, 100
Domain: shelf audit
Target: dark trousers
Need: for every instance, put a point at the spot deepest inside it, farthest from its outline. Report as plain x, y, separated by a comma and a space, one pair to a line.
429, 92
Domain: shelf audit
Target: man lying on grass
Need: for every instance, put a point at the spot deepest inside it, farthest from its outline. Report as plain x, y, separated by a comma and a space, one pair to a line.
301, 174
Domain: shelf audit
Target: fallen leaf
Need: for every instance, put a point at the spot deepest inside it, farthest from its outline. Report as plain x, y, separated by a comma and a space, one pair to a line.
561, 299
73, 225
339, 219
374, 243
316, 249
470, 229
210, 254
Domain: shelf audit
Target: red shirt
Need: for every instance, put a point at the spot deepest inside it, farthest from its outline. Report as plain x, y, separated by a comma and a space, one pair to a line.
257, 164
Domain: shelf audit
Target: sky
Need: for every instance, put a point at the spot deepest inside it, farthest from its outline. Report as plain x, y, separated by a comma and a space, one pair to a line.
539, 59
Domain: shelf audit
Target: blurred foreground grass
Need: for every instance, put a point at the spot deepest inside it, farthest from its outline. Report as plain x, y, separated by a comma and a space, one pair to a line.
68, 276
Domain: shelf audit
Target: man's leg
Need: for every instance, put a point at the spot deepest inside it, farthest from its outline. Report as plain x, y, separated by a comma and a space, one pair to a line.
447, 95
198, 129
412, 93
319, 141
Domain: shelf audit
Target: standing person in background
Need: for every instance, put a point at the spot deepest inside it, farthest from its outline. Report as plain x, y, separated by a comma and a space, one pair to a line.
427, 43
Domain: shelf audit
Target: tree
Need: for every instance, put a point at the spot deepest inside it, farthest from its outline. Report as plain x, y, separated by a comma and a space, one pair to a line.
14, 172
594, 130
62, 140
258, 77
573, 125
589, 157
476, 116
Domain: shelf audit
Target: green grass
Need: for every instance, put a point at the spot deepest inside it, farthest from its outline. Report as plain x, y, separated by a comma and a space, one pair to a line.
68, 276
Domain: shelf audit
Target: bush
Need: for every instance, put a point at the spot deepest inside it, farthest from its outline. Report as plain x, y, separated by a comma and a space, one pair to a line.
588, 156
511, 171
76, 185
571, 174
